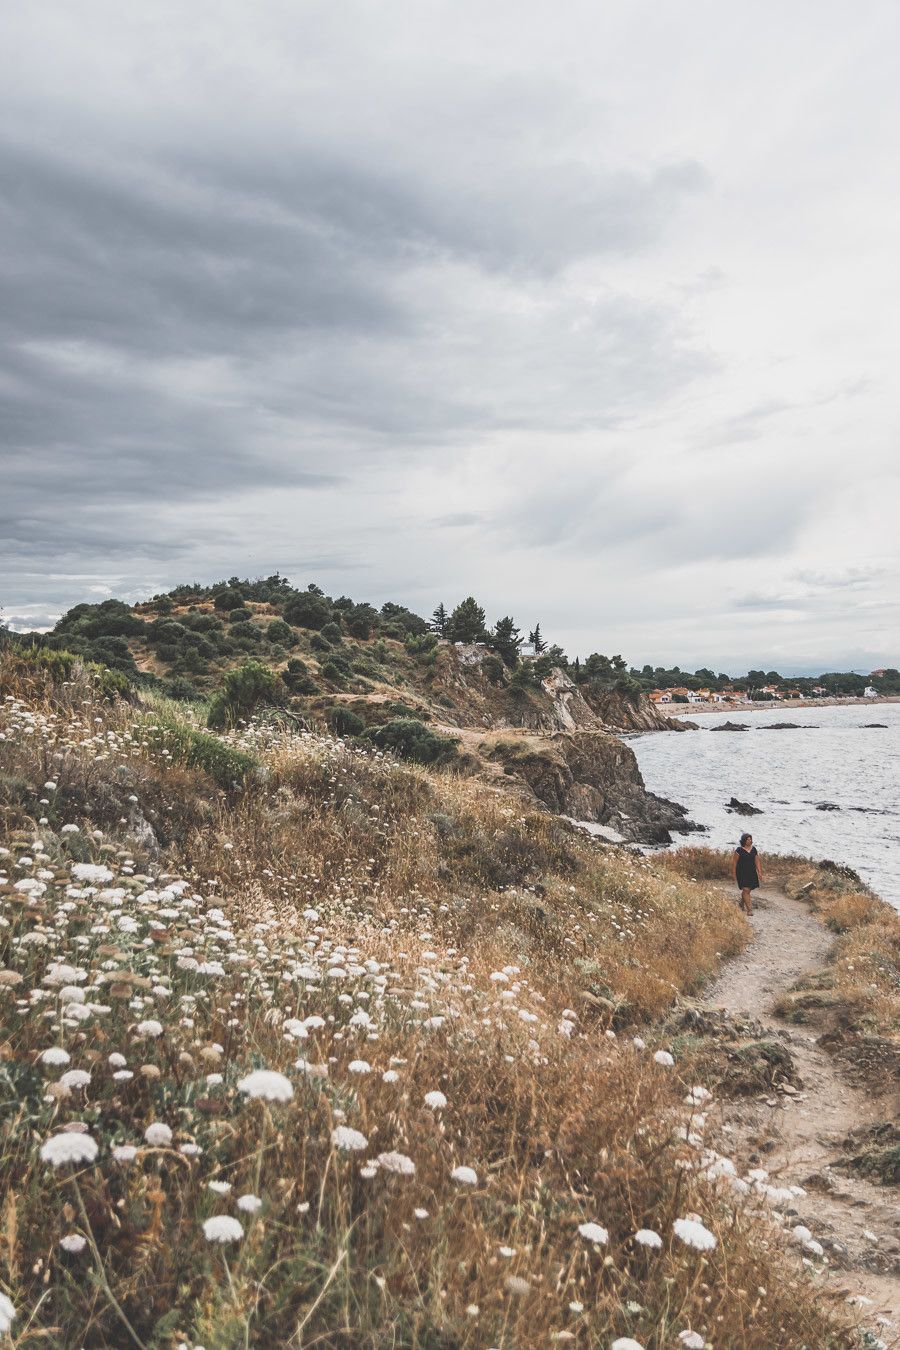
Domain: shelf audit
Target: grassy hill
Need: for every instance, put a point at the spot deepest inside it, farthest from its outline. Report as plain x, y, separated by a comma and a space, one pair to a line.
303, 1045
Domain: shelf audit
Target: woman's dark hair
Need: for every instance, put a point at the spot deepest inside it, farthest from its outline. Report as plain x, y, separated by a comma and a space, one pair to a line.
744, 838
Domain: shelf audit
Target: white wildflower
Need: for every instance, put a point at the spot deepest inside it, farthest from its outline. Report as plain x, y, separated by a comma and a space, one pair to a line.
73, 1242
466, 1176
435, 1101
647, 1238
397, 1162
7, 1314
594, 1232
55, 1056
124, 1153
693, 1234
691, 1340
75, 1078
222, 1228
359, 1066
249, 1203
69, 1147
158, 1134
266, 1084
151, 1028
348, 1140
664, 1058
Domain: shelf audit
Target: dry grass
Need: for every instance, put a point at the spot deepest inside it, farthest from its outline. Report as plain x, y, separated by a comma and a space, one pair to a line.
430, 930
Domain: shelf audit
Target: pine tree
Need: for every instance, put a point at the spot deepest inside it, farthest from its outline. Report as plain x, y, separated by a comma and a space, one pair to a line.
439, 620
506, 641
537, 640
466, 623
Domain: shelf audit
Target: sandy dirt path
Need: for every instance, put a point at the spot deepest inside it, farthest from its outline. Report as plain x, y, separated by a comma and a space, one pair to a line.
799, 1137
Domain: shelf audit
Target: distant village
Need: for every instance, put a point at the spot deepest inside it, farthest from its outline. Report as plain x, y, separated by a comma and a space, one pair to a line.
767, 693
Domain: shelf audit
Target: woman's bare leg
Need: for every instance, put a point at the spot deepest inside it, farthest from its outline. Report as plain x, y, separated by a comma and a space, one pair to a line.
746, 901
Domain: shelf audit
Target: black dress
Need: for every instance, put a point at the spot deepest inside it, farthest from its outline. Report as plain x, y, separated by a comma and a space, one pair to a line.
747, 875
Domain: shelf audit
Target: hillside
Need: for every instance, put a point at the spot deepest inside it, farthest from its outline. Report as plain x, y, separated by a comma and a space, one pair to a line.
234, 648
305, 1046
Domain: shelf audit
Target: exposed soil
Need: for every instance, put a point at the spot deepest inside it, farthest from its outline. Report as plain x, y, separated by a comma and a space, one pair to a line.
800, 1136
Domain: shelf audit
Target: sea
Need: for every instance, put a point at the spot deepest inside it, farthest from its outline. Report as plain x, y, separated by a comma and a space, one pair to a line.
836, 757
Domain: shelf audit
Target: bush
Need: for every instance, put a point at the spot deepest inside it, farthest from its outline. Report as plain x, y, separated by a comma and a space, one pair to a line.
319, 643
225, 765
182, 690
493, 670
345, 722
307, 610
421, 644
297, 677
332, 633
332, 672
240, 614
410, 739
245, 689
280, 632
228, 599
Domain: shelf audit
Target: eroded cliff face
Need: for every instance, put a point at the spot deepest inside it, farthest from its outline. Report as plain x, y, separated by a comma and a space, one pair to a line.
594, 776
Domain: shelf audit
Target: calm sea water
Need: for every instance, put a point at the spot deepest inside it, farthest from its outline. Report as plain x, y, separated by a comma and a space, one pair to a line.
833, 757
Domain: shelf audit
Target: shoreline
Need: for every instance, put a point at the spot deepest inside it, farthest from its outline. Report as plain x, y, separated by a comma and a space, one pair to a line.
690, 710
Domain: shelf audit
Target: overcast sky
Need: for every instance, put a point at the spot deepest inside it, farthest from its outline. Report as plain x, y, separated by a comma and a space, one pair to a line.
592, 311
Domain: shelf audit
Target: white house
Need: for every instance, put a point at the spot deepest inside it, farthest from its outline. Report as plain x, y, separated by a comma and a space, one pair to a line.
869, 692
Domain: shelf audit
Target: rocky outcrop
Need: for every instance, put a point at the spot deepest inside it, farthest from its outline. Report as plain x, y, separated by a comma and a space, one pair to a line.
594, 776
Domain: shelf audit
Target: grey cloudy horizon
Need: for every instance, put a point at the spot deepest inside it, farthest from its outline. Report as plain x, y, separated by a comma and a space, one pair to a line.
586, 311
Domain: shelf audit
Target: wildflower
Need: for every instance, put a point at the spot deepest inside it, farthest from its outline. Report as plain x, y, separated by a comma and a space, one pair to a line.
647, 1238
220, 1187
435, 1101
517, 1286
7, 1314
397, 1162
158, 1134
116, 1061
466, 1176
664, 1058
69, 1147
249, 1204
222, 1228
421, 1213
55, 1056
390, 1076
92, 873
693, 1234
348, 1140
691, 1340
151, 1028
266, 1084
124, 1153
594, 1233
359, 1066
73, 1242
75, 1078
626, 1343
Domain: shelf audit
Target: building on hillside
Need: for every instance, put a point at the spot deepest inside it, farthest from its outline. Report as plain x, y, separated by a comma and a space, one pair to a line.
660, 696
877, 674
772, 691
527, 652
819, 690
869, 692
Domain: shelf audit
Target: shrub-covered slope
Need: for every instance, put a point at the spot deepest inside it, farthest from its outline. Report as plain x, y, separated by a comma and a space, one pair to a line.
303, 1046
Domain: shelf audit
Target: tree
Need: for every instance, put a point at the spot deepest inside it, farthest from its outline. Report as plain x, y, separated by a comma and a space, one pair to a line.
536, 639
307, 609
439, 620
506, 641
466, 623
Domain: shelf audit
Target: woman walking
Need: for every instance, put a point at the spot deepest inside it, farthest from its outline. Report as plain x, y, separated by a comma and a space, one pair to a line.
746, 871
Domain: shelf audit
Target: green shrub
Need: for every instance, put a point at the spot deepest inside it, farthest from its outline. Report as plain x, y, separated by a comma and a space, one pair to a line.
332, 633
281, 633
306, 609
240, 614
421, 644
228, 599
332, 672
245, 689
318, 643
410, 739
345, 722
493, 670
247, 631
182, 690
297, 677
225, 765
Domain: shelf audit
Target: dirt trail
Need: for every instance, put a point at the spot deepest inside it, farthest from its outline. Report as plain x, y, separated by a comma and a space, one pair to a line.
798, 1137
